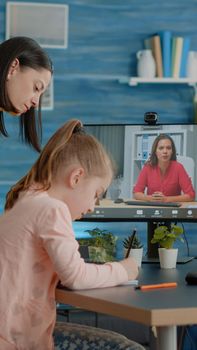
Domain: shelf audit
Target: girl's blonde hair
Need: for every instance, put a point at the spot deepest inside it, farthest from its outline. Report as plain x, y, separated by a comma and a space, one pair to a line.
69, 145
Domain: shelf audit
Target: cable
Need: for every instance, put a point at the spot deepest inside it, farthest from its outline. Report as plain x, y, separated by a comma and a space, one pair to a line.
184, 336
185, 238
188, 335
181, 338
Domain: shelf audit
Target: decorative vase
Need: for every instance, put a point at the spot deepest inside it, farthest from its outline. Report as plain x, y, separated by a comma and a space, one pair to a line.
137, 254
168, 258
146, 67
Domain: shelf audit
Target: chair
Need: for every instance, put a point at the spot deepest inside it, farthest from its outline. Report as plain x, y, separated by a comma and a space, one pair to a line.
188, 164
69, 336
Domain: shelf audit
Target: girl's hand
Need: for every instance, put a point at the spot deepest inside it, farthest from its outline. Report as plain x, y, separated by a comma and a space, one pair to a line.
131, 267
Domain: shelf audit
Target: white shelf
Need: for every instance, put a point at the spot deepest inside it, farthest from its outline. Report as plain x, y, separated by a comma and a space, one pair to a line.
133, 81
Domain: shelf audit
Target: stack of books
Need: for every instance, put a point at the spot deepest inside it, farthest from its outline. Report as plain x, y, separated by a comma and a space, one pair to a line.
170, 53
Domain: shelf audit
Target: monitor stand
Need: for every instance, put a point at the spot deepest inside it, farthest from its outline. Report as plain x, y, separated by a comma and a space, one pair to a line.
152, 249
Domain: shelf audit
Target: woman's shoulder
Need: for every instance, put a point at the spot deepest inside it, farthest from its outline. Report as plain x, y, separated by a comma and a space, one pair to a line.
149, 167
177, 167
176, 164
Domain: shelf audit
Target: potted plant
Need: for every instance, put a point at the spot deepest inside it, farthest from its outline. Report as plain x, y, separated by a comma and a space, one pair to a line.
101, 245
165, 236
133, 247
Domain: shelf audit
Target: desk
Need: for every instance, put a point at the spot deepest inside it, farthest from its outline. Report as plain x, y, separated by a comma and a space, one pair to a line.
163, 308
110, 211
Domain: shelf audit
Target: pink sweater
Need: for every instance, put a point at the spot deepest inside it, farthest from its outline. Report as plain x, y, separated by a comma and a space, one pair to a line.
37, 248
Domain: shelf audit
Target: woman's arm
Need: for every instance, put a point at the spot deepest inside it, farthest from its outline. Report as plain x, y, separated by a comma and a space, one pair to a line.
140, 185
179, 198
159, 197
144, 197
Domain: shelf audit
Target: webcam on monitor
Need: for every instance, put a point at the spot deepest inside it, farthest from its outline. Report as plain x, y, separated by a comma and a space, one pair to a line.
151, 118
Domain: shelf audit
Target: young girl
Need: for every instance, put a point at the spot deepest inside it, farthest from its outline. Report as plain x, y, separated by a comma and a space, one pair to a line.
37, 243
25, 73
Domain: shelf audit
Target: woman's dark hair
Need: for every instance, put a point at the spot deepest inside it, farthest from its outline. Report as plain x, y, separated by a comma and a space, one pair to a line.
153, 158
30, 54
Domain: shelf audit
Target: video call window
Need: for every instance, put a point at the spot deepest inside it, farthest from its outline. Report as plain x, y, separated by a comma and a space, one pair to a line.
130, 147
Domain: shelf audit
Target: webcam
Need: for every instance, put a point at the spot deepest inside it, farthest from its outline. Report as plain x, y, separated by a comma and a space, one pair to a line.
150, 118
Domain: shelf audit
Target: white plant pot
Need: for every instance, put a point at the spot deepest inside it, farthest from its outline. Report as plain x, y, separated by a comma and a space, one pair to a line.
168, 258
137, 254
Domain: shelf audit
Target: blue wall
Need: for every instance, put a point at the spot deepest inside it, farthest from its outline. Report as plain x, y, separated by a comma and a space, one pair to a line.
104, 37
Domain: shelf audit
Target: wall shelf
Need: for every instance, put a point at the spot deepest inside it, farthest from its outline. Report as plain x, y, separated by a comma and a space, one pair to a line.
133, 81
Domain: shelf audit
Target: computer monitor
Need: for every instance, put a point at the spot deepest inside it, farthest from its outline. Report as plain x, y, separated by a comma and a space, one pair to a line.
130, 146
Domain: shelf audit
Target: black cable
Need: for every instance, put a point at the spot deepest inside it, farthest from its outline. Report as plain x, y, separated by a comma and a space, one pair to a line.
185, 334
185, 238
181, 338
193, 345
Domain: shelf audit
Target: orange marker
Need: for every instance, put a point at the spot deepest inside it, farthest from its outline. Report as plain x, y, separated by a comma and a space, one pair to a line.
157, 286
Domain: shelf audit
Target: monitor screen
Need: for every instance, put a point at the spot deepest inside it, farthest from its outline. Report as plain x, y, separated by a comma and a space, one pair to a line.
130, 147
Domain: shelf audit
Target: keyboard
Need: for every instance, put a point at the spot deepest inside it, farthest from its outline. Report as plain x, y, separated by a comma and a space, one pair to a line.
153, 204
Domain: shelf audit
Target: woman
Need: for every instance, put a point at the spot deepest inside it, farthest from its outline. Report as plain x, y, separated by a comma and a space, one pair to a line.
164, 178
25, 73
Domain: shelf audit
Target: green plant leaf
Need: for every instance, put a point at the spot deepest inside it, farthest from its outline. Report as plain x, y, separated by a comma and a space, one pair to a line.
166, 236
101, 238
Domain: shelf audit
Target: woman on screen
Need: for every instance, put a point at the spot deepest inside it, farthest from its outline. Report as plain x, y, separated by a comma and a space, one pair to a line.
163, 178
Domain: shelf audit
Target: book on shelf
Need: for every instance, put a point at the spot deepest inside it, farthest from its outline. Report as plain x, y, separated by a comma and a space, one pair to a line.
148, 43
153, 43
177, 45
173, 55
170, 53
184, 57
156, 47
166, 47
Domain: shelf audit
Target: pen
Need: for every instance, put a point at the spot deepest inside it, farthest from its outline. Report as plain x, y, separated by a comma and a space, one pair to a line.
130, 244
157, 286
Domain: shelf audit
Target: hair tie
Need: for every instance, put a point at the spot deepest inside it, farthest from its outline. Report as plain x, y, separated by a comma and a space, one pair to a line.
79, 130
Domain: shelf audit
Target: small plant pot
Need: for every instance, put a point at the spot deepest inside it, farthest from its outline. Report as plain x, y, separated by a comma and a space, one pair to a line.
137, 254
168, 258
